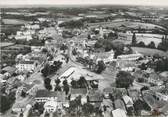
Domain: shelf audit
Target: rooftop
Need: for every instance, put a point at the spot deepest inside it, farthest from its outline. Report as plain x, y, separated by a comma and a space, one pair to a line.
119, 104
9, 69
5, 44
95, 96
76, 73
81, 91
26, 62
46, 93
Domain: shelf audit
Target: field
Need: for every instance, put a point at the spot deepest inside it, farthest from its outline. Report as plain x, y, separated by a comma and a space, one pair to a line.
147, 51
13, 21
4, 44
146, 38
128, 24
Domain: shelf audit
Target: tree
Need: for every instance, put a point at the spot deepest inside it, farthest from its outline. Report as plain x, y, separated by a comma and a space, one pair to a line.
65, 82
46, 70
118, 48
66, 89
143, 66
161, 65
124, 79
88, 108
63, 47
74, 83
57, 81
138, 106
112, 36
162, 46
134, 41
89, 37
100, 67
144, 88
74, 52
6, 101
73, 105
23, 94
98, 44
47, 83
57, 88
151, 45
5, 104
141, 44
82, 82
44, 50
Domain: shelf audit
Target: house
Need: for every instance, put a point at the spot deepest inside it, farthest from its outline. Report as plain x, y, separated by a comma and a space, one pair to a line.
35, 26
119, 104
9, 69
52, 106
74, 93
128, 101
95, 97
75, 74
116, 92
23, 37
21, 77
162, 94
126, 65
25, 88
105, 56
119, 113
26, 66
164, 109
130, 57
155, 79
106, 103
43, 96
153, 102
134, 94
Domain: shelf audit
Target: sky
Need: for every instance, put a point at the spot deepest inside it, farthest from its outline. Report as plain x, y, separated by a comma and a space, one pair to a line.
87, 2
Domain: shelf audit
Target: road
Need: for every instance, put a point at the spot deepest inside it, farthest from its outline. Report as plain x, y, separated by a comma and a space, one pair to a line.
108, 74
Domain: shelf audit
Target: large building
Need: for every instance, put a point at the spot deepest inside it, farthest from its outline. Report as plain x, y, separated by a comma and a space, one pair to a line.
26, 66
129, 56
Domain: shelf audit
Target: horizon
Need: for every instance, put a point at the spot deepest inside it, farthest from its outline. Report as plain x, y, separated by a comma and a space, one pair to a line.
20, 3
74, 5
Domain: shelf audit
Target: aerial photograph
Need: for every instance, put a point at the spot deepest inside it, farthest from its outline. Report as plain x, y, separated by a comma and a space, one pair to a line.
83, 58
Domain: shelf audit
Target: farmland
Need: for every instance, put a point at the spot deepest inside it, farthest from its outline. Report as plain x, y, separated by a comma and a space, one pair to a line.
149, 52
13, 21
119, 23
146, 38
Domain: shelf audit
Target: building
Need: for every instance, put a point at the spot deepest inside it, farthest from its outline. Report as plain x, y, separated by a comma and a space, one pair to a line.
23, 37
130, 57
34, 27
119, 113
119, 104
78, 92
155, 79
154, 102
9, 69
95, 97
26, 66
43, 96
105, 56
126, 65
52, 106
134, 94
128, 101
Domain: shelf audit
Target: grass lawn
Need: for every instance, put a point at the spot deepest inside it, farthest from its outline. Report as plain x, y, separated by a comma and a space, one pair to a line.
117, 24
13, 21
148, 51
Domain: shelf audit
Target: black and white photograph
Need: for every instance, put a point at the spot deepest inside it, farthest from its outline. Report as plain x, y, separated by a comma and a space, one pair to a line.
83, 58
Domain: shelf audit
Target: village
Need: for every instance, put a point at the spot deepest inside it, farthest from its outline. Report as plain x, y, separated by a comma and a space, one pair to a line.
83, 66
